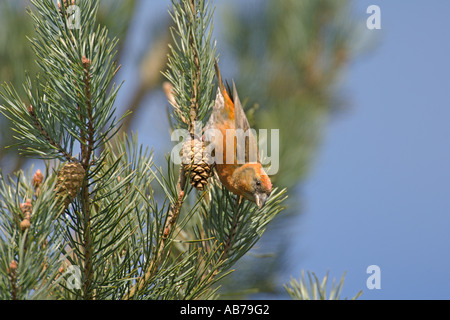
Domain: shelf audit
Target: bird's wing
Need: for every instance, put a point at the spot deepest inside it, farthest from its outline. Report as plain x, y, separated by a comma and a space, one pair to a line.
241, 122
219, 104
222, 111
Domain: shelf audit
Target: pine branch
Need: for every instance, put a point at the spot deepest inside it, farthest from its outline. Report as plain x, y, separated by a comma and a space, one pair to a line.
191, 61
30, 242
236, 224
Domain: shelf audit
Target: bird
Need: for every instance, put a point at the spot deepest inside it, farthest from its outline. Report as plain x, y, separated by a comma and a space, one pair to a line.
241, 173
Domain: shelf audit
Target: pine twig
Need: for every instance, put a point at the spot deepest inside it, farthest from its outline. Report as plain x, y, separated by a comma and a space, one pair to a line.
47, 137
12, 278
196, 76
173, 214
90, 130
233, 230
168, 226
86, 158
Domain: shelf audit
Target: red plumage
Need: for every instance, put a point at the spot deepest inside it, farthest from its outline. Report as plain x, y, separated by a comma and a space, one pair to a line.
243, 175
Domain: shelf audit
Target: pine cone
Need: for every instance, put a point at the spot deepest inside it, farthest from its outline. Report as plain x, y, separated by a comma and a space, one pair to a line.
26, 209
38, 178
70, 179
196, 163
25, 224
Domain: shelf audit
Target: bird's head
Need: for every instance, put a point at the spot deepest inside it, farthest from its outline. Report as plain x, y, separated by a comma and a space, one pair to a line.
254, 183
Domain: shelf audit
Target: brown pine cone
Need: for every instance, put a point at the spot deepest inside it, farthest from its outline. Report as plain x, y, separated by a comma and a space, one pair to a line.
196, 163
70, 179
25, 224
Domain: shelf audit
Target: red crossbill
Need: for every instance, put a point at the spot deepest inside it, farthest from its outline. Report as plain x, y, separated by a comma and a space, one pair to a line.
243, 177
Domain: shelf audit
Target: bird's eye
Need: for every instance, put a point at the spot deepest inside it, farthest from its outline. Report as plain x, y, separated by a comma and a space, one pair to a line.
258, 183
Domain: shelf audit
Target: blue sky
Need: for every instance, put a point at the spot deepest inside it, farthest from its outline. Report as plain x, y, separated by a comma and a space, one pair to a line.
379, 192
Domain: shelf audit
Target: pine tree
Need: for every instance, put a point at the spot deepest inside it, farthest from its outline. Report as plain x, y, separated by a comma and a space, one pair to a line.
91, 226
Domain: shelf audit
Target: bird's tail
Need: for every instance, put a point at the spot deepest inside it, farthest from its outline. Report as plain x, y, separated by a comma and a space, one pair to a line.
219, 76
222, 87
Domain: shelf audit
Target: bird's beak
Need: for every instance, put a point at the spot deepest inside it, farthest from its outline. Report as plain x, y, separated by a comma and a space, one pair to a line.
260, 199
